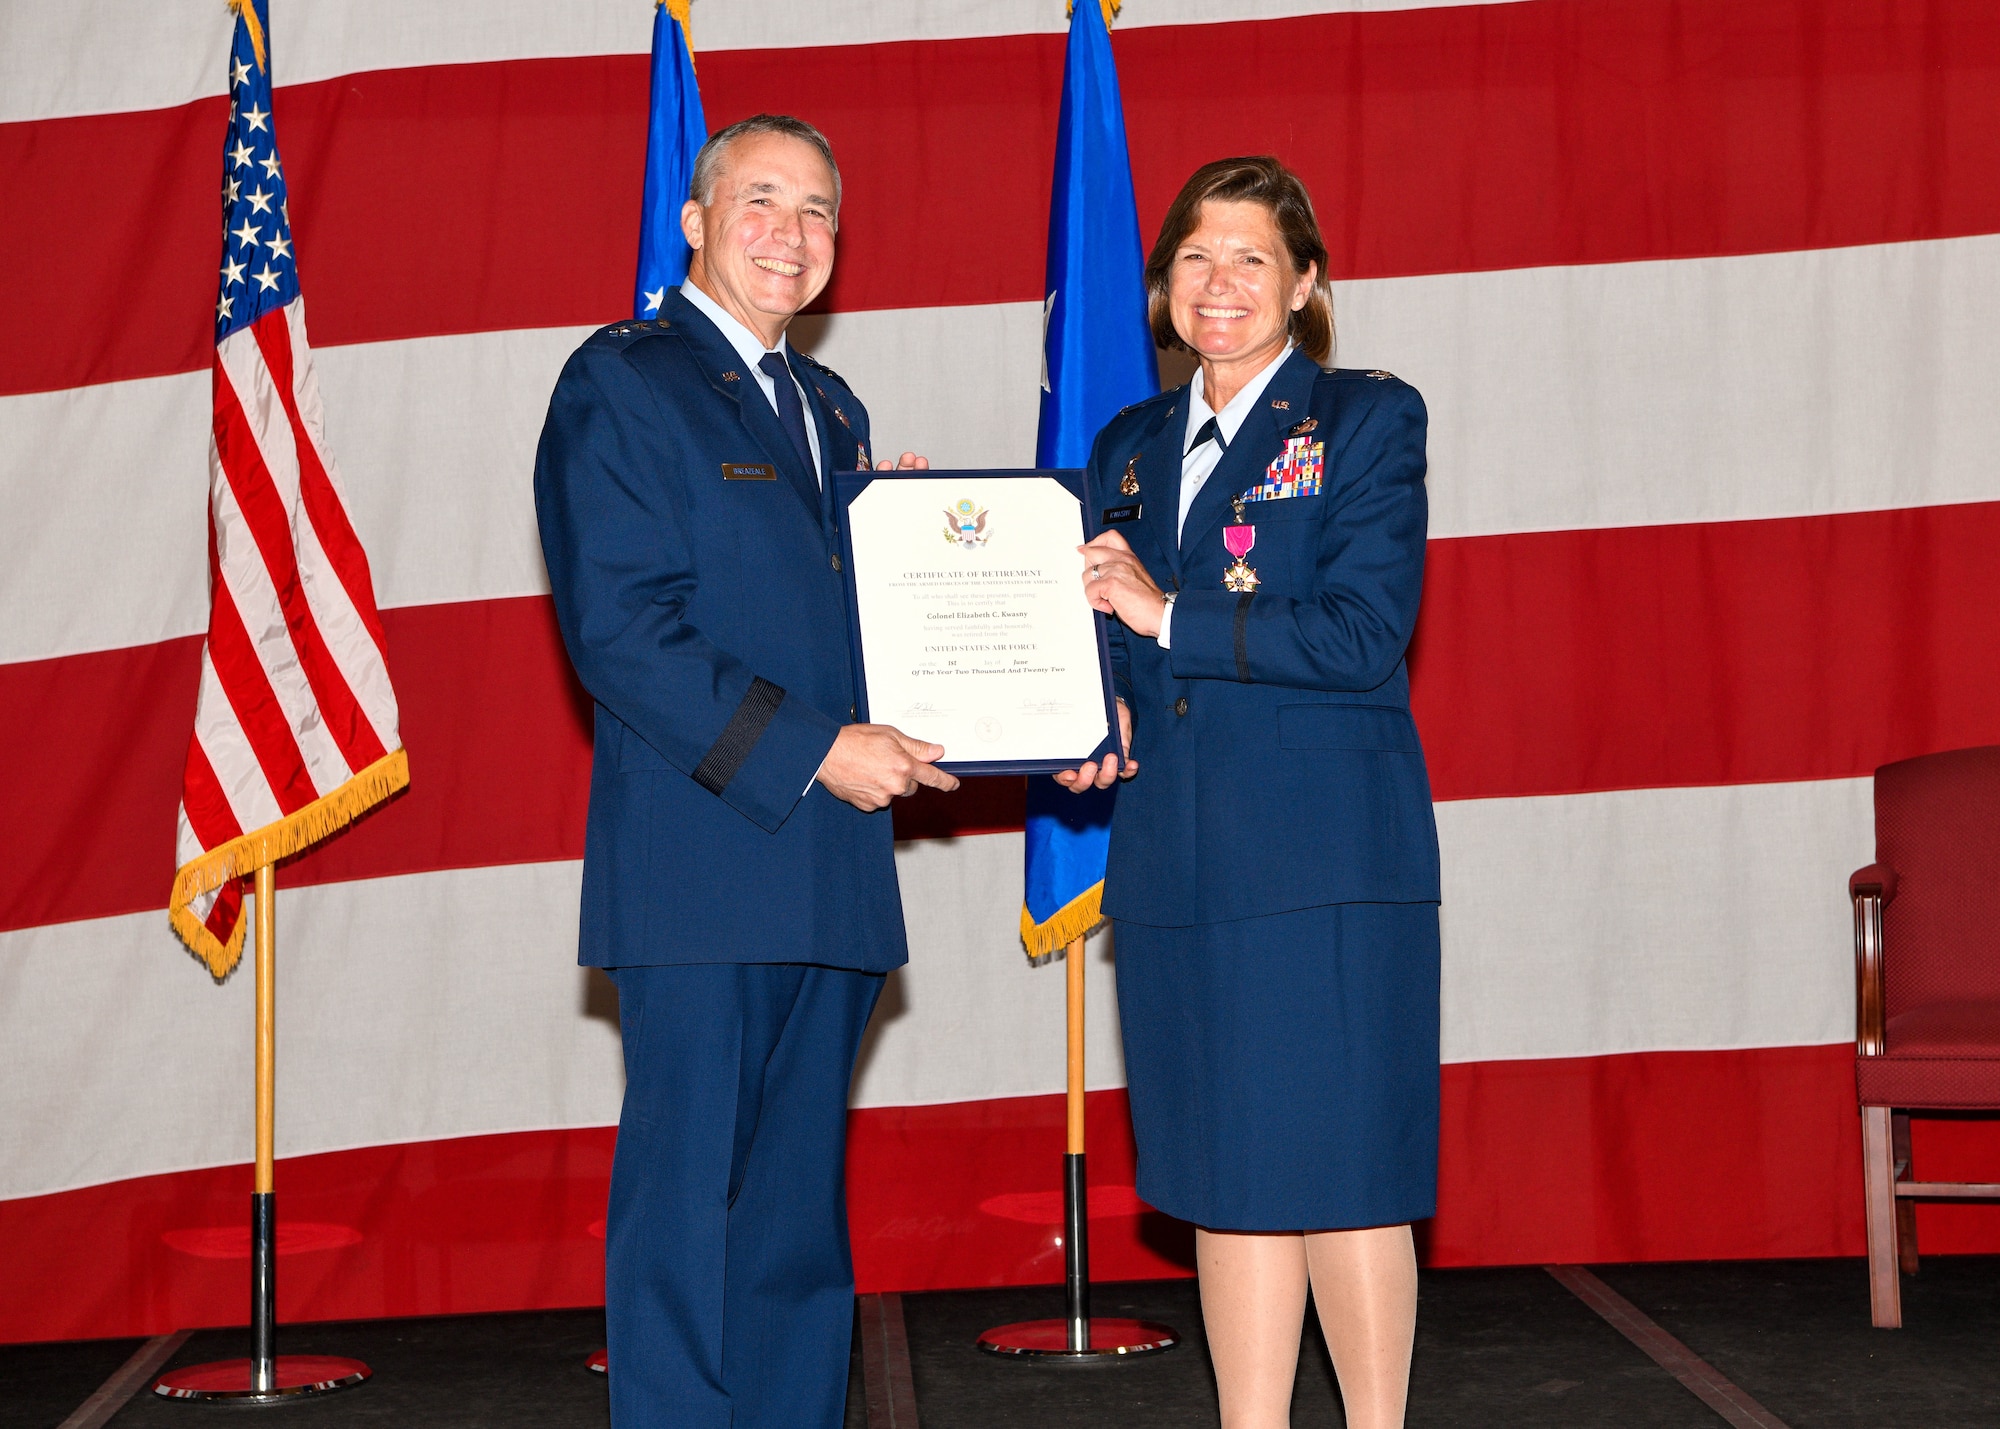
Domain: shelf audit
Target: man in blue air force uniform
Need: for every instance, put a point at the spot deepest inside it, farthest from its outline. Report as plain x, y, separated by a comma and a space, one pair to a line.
738, 877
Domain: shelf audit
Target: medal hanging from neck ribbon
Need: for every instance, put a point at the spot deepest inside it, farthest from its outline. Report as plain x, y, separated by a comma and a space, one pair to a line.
1238, 539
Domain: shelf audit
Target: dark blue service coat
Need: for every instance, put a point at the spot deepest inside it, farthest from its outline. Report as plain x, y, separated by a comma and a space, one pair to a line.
693, 559
1279, 767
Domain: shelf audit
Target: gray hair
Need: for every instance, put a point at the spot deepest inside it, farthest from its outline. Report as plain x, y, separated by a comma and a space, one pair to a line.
708, 162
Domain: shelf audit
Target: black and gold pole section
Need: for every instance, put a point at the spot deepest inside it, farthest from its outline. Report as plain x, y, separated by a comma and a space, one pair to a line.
1076, 1338
266, 1377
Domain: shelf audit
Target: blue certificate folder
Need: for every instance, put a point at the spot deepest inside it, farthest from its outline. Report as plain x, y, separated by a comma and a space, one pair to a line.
850, 484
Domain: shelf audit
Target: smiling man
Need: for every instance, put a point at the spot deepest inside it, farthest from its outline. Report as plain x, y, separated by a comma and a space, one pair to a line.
739, 882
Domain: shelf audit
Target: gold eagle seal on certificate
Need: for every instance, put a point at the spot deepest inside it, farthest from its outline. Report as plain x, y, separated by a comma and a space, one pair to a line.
965, 525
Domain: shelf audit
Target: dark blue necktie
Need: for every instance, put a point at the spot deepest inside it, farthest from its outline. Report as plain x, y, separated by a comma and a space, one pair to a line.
791, 411
1209, 431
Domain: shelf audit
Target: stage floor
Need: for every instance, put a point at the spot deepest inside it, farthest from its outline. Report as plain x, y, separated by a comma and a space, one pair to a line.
1772, 1343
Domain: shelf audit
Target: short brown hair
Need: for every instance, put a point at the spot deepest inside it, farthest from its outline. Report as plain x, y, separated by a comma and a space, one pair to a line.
1259, 179
709, 159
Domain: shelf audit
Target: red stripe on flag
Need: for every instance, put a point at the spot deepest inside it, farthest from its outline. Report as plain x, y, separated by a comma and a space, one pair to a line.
483, 1223
270, 525
1743, 652
1434, 140
266, 730
323, 506
1733, 652
207, 807
223, 913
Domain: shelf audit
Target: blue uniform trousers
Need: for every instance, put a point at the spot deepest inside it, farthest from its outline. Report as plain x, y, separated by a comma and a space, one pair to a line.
729, 1288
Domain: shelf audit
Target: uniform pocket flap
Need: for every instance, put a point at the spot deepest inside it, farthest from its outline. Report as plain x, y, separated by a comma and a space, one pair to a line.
1380, 727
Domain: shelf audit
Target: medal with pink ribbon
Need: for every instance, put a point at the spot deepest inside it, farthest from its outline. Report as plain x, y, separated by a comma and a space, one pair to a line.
1238, 540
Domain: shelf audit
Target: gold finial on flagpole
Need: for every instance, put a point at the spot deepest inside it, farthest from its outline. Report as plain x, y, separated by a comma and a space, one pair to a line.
248, 10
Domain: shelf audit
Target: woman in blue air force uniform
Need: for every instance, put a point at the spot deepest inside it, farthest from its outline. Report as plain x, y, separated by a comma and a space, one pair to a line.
1273, 871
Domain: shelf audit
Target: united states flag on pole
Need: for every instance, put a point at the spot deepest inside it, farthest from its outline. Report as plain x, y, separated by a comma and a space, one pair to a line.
295, 731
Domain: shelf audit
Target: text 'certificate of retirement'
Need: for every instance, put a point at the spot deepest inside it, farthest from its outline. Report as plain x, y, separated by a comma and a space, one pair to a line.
973, 628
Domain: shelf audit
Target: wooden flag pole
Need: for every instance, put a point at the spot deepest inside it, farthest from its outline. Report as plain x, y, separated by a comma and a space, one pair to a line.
1076, 1185
264, 1378
263, 1217
1076, 1338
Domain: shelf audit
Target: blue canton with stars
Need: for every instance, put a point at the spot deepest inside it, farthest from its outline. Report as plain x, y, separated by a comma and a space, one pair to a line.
259, 274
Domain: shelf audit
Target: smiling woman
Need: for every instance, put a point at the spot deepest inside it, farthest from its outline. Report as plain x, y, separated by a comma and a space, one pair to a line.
1273, 864
1240, 232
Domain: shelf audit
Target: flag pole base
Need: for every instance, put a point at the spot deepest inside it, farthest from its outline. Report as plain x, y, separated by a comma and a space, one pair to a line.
293, 1377
1048, 1341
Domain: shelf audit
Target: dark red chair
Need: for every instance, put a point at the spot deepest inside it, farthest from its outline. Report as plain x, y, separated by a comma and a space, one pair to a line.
1927, 973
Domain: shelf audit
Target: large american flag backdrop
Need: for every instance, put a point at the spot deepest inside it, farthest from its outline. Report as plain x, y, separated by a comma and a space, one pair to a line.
1704, 296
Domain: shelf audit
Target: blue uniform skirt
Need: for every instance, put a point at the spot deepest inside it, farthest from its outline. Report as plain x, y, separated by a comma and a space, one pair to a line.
1283, 1070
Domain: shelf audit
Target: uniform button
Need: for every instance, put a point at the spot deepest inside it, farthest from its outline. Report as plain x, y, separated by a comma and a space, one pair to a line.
1180, 705
836, 563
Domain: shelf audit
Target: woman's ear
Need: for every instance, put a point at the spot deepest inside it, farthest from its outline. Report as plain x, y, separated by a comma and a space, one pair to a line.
1305, 287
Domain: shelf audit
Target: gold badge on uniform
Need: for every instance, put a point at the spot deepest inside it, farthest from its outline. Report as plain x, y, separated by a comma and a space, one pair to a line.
1303, 427
1129, 484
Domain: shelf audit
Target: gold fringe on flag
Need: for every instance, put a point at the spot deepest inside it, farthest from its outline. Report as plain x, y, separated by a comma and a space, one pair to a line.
679, 10
249, 13
1077, 918
1109, 7
243, 856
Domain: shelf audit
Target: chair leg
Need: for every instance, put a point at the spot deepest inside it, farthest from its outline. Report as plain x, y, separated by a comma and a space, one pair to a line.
1878, 1179
1906, 1209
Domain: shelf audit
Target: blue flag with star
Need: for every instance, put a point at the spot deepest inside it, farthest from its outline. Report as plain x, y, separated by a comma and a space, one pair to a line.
674, 135
1098, 351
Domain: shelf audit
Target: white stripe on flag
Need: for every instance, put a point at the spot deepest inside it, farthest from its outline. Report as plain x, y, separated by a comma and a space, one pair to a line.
348, 640
447, 1003
249, 579
231, 757
1703, 390
171, 51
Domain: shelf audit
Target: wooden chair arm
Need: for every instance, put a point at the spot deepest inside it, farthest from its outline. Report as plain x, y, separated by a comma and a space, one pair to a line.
1870, 888
1878, 877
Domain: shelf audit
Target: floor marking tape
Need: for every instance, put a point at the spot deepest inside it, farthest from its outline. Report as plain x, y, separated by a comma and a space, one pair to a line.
1701, 1378
127, 1380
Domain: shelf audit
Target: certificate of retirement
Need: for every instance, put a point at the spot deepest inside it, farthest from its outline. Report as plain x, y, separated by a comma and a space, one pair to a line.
968, 596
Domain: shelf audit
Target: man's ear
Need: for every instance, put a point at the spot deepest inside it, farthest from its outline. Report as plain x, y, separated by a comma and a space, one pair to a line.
691, 224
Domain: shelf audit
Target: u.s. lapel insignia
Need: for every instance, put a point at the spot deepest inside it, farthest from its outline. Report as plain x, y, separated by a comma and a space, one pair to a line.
732, 377
1128, 485
1303, 427
1281, 404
